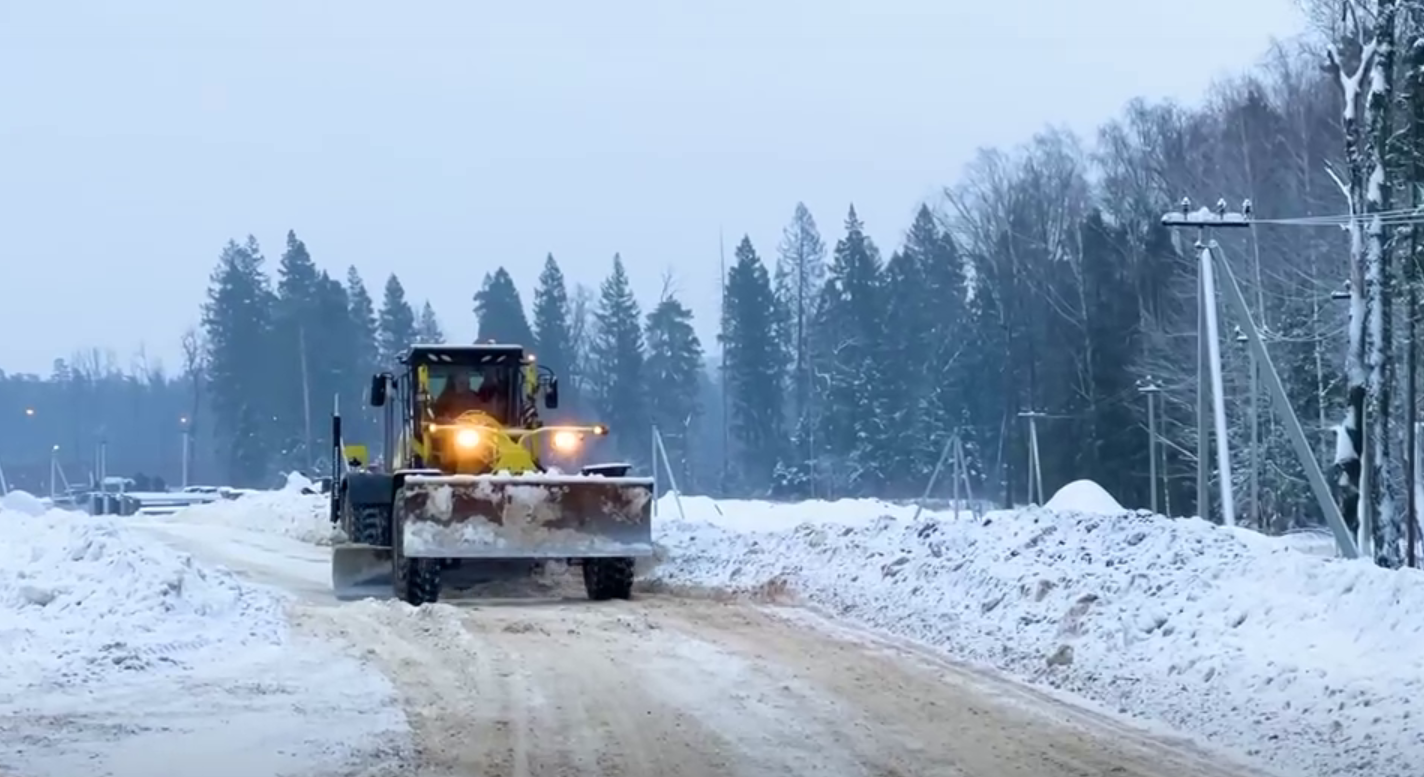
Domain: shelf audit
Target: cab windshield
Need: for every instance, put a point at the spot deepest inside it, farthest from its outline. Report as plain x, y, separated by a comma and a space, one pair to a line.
458, 389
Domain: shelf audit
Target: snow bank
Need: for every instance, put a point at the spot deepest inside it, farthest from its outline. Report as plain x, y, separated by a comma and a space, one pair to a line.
23, 503
750, 515
287, 512
1311, 664
81, 598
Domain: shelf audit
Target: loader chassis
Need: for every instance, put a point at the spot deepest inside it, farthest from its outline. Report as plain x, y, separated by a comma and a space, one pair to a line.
465, 499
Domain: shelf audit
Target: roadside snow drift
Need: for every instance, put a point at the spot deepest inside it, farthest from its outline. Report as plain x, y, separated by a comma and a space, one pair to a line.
81, 598
287, 512
1313, 665
126, 658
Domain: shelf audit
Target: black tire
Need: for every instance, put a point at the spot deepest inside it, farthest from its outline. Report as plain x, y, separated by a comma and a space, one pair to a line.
417, 580
608, 578
371, 525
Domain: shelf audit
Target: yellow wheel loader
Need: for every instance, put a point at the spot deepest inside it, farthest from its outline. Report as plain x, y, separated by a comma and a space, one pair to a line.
462, 492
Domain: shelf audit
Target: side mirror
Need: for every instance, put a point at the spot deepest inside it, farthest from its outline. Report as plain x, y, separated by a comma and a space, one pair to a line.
378, 390
551, 394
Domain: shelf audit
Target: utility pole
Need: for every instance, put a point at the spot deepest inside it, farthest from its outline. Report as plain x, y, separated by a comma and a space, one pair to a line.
1209, 379
1151, 389
1211, 260
306, 400
722, 301
1255, 423
1035, 464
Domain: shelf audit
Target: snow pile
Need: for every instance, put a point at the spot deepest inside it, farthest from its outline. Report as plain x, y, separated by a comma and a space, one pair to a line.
287, 512
81, 597
747, 515
1084, 496
1311, 664
23, 503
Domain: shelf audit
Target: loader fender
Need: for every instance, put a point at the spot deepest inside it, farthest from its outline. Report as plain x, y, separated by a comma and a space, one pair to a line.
370, 489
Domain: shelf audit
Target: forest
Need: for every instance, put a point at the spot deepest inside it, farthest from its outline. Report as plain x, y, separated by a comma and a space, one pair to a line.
1042, 281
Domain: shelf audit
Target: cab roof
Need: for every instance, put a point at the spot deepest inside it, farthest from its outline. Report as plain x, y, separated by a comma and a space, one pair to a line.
473, 354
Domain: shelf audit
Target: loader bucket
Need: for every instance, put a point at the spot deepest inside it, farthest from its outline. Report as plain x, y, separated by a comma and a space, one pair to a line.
361, 571
535, 516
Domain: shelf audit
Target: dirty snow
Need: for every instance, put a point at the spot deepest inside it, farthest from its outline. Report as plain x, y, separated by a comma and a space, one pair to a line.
1312, 665
478, 538
120, 651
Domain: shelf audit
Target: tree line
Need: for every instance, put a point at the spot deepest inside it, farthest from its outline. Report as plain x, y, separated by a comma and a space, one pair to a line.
1040, 281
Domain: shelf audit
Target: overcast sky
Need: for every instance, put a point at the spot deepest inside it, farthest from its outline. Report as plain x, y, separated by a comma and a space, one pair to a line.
440, 139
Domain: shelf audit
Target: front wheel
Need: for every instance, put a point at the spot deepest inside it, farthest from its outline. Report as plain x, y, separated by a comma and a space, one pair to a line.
417, 580
608, 578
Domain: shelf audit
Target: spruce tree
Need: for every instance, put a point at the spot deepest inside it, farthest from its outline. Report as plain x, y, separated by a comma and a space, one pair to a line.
674, 372
501, 311
333, 363
362, 312
755, 370
849, 336
295, 340
428, 329
237, 323
553, 325
616, 364
361, 420
396, 324
944, 314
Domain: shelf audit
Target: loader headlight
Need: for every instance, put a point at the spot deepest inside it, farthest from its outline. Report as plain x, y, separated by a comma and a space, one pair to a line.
467, 438
566, 441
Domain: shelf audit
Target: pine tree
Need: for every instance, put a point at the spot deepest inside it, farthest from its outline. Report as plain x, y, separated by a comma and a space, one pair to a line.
615, 379
396, 324
755, 371
674, 372
428, 329
848, 336
501, 311
237, 321
553, 325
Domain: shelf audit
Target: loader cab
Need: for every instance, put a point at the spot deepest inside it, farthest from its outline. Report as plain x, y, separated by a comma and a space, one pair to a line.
438, 379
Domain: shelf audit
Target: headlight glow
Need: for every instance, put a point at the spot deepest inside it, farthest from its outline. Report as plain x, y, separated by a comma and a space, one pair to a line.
467, 438
565, 441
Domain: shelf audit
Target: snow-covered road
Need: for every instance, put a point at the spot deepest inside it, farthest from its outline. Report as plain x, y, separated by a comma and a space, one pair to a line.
546, 683
216, 642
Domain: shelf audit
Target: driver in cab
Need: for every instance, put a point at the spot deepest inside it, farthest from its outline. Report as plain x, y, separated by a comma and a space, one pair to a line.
458, 398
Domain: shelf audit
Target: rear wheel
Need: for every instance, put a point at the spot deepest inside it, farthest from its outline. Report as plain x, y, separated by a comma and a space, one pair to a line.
608, 578
371, 525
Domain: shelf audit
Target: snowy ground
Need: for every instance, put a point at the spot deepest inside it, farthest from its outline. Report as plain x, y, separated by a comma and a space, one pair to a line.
124, 657
1310, 664
1306, 663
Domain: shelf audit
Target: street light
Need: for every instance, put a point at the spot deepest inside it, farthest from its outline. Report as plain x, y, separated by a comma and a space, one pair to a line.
183, 422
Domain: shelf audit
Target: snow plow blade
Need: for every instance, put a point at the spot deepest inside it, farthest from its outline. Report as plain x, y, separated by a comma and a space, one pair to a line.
361, 571
535, 516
